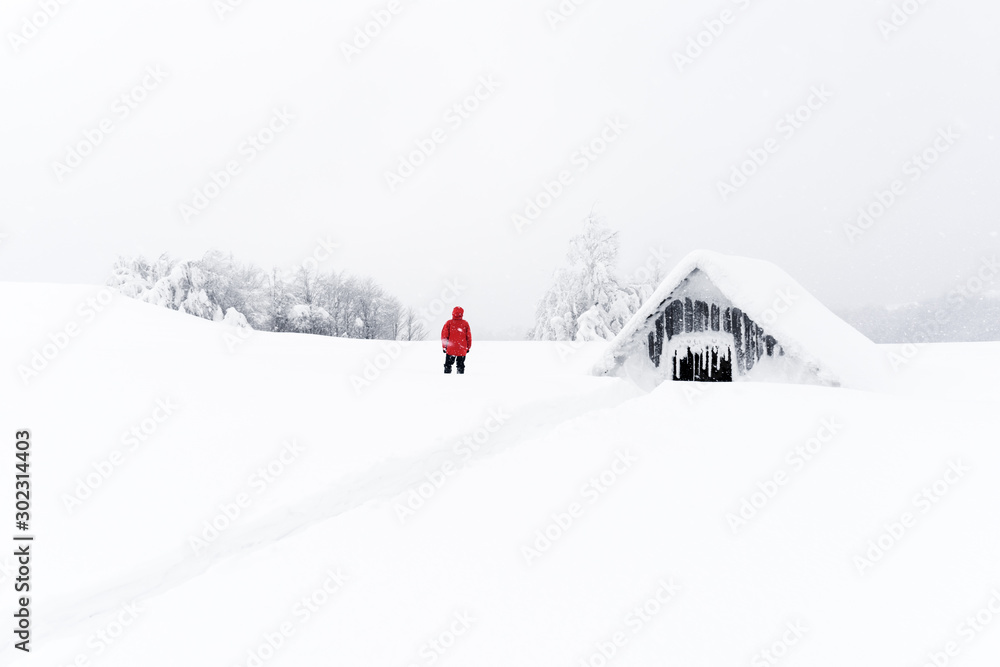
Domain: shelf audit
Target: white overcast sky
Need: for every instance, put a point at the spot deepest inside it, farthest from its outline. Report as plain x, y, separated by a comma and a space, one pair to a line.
657, 183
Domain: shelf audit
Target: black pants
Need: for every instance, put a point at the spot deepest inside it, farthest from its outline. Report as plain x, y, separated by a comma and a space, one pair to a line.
449, 360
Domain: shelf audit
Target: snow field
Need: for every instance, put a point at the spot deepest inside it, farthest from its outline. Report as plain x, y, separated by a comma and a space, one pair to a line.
564, 518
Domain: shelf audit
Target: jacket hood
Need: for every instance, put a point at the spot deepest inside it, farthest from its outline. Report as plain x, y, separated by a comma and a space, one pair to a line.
457, 313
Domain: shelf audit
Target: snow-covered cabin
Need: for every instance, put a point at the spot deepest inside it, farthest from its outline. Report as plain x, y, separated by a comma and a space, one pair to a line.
720, 318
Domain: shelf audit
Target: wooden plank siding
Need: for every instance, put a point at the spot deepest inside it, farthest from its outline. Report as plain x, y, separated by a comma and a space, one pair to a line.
686, 316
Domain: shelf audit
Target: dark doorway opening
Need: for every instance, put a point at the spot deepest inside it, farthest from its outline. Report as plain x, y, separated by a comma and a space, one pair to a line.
703, 365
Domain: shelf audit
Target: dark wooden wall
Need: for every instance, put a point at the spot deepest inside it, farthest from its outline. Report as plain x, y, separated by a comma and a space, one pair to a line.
682, 316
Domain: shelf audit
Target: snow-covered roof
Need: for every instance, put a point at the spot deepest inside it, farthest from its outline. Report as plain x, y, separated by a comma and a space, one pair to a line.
804, 327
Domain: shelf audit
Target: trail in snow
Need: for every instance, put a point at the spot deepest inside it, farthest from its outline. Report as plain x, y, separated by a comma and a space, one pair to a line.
384, 482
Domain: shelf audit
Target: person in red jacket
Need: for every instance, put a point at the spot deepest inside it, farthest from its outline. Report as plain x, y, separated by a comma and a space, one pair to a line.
456, 340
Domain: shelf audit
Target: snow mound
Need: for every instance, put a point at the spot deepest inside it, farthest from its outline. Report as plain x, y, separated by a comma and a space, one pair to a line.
236, 318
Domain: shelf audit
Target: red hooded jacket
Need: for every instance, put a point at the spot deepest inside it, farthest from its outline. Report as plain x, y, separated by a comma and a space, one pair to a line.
456, 336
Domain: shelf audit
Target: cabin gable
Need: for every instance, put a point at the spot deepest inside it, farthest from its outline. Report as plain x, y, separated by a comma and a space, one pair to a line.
697, 334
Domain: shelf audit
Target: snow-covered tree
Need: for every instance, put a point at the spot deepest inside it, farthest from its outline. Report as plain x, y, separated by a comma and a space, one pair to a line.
217, 287
308, 318
558, 310
132, 277
586, 300
231, 284
590, 327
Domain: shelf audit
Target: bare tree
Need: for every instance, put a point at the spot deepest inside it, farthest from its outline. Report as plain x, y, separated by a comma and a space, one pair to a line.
412, 326
392, 318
